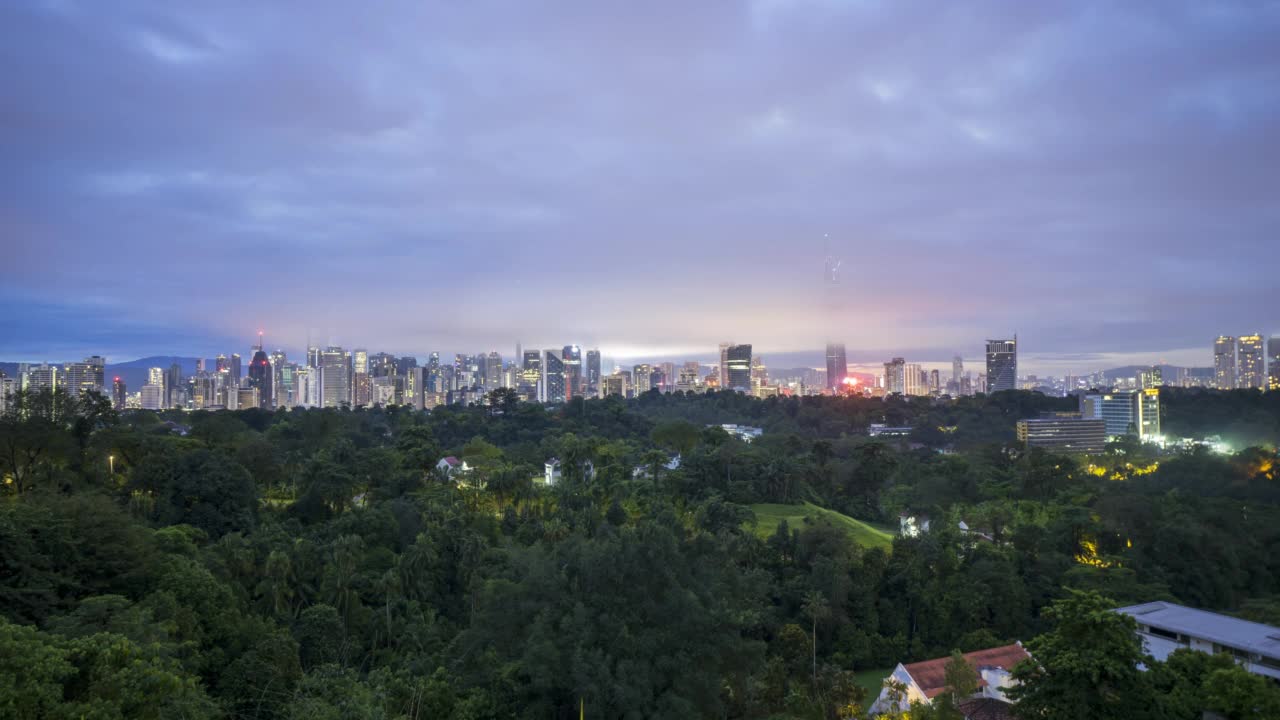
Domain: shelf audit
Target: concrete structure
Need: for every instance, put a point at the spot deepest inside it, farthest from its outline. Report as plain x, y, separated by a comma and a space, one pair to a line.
1002, 364
86, 376
553, 378
1126, 412
1067, 434
926, 680
1165, 627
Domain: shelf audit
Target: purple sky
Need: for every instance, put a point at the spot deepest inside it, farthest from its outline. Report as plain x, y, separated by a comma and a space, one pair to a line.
651, 178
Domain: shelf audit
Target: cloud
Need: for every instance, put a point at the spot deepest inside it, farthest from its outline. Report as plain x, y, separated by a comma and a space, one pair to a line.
453, 177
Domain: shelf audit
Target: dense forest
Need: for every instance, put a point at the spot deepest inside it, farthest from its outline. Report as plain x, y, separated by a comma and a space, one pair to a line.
319, 564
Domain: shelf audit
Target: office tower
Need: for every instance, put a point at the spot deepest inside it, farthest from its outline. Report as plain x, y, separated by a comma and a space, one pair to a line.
1126, 412
957, 369
1152, 377
837, 366
572, 356
738, 364
360, 377
493, 371
759, 373
1224, 362
307, 392
531, 376
235, 369
895, 376
616, 384
1251, 362
1064, 432
220, 363
1273, 362
553, 378
593, 373
935, 382
174, 387
152, 397
1002, 365
247, 397
261, 379
313, 357
335, 377
641, 379
200, 365
86, 376
117, 394
723, 377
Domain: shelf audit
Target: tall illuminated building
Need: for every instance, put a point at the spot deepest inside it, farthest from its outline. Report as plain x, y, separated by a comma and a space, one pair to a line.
261, 377
593, 373
915, 381
531, 375
1002, 365
1224, 362
1152, 377
837, 366
493, 371
175, 388
118, 393
335, 377
360, 377
669, 376
1273, 362
235, 368
1251, 362
723, 377
553, 377
572, 356
1126, 412
895, 376
738, 364
957, 371
86, 376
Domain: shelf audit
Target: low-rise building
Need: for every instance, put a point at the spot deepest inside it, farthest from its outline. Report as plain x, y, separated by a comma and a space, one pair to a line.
1165, 627
1066, 433
924, 681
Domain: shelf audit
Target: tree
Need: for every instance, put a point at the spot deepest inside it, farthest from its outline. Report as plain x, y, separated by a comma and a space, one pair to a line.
1087, 666
961, 678
816, 608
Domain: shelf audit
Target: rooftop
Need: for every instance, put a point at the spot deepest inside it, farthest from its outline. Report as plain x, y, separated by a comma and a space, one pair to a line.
1221, 629
930, 675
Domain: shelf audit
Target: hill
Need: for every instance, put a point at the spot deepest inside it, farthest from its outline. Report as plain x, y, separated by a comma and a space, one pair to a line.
769, 515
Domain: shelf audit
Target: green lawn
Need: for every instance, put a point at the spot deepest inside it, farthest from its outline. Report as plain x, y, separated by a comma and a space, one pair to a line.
870, 680
768, 516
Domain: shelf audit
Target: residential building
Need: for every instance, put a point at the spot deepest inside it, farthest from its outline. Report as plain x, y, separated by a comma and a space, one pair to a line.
493, 372
247, 397
335, 377
915, 381
837, 367
1152, 377
9, 388
895, 376
619, 383
39, 377
738, 364
153, 396
1224, 362
551, 472
1251, 362
86, 376
1273, 363
723, 376
1066, 433
1165, 627
1126, 412
451, 466
593, 373
360, 385
641, 379
1002, 365
531, 375
926, 680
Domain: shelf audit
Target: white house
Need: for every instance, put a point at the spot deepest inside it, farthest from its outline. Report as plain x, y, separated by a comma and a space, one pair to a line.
745, 433
926, 680
1165, 627
451, 466
551, 472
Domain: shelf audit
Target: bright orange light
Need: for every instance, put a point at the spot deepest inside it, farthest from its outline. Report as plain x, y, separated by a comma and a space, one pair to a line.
851, 381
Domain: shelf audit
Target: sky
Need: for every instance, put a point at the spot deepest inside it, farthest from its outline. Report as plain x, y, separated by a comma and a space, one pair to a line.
649, 178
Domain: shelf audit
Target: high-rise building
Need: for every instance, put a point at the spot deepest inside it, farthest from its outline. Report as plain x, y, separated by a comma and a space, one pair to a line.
235, 368
615, 384
86, 376
572, 356
531, 375
313, 356
1251, 362
360, 377
895, 376
175, 388
221, 364
1273, 362
837, 366
957, 369
1126, 412
335, 377
261, 378
553, 377
738, 363
118, 393
1152, 377
1224, 362
493, 372
935, 382
593, 373
723, 377
641, 379
915, 381
1002, 365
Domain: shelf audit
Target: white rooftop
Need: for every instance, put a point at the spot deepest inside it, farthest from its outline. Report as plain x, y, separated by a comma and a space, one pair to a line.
1221, 629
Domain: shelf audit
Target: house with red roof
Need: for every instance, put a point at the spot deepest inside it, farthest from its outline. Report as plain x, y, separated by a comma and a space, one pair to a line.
924, 681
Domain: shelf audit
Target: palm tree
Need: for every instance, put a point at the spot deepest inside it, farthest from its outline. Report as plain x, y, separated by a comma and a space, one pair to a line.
816, 607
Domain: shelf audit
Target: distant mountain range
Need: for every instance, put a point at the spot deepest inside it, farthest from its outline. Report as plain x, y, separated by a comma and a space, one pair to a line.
1168, 371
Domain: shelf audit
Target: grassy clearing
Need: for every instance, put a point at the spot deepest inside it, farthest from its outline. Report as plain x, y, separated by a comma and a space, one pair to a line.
768, 515
870, 680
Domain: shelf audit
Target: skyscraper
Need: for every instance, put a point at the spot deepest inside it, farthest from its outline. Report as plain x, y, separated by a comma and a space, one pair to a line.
175, 389
1251, 362
493, 371
531, 375
895, 376
262, 378
89, 375
723, 378
1002, 365
1273, 362
360, 377
572, 371
957, 371
1224, 362
335, 378
837, 366
553, 379
593, 373
235, 368
738, 362
117, 393
641, 378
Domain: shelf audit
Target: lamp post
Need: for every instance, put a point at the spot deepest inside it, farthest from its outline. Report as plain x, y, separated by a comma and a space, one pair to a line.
111, 463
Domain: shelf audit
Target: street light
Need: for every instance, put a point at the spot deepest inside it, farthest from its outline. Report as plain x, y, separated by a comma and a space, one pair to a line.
111, 462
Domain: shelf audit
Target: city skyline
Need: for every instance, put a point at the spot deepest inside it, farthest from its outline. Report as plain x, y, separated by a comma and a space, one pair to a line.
467, 176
